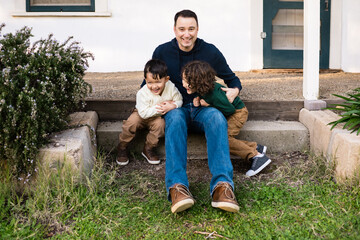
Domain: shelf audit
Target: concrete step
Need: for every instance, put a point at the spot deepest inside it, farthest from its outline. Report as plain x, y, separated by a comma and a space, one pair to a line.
338, 145
278, 136
75, 146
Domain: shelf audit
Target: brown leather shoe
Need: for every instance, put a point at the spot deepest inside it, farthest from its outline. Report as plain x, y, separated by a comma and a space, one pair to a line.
150, 155
181, 198
122, 158
224, 198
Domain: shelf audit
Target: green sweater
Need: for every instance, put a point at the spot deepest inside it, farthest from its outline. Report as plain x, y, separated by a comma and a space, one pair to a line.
217, 99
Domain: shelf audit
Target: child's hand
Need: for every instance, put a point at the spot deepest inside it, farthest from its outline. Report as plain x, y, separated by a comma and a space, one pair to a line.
165, 107
204, 103
196, 101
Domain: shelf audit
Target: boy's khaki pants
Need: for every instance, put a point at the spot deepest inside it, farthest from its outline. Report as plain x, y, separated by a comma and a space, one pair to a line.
243, 149
156, 126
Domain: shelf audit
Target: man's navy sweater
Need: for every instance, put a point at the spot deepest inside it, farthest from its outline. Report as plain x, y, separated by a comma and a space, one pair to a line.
175, 59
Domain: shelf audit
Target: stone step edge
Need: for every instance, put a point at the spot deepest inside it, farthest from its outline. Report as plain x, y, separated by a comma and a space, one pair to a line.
275, 134
338, 146
75, 146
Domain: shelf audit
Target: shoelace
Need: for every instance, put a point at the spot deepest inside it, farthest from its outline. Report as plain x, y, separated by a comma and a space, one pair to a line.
183, 190
228, 190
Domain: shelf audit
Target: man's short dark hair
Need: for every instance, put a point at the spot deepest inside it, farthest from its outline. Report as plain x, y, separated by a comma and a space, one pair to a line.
185, 14
157, 68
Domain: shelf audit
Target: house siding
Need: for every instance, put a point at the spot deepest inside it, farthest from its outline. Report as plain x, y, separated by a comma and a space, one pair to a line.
124, 37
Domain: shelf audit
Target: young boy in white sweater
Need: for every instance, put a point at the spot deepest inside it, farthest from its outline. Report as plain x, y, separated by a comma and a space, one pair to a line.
158, 91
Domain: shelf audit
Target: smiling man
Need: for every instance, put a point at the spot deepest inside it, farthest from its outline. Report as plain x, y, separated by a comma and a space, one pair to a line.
186, 47
186, 30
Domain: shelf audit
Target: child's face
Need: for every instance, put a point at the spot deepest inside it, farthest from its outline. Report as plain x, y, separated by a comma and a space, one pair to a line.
156, 86
186, 86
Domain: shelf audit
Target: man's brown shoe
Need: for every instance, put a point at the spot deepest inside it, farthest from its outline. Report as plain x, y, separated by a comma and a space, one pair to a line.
122, 158
150, 155
224, 198
181, 198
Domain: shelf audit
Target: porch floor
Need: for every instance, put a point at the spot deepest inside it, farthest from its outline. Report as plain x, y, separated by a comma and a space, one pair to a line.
259, 85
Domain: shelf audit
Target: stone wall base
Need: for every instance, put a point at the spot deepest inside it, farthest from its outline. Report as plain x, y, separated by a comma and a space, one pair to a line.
337, 145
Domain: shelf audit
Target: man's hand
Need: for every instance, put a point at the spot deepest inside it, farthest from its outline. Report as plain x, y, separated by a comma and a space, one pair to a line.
165, 107
231, 93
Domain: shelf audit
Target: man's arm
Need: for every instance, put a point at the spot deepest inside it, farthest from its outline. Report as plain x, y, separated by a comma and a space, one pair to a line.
225, 73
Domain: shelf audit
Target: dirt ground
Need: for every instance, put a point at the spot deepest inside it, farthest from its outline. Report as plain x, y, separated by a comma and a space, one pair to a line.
198, 171
259, 85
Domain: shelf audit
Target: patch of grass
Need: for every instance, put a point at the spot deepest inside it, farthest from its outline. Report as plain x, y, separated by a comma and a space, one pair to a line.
298, 200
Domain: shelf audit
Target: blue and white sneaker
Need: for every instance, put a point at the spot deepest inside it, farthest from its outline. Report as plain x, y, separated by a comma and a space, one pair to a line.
261, 149
259, 162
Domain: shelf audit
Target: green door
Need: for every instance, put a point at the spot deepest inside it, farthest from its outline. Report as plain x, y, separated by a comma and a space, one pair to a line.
284, 33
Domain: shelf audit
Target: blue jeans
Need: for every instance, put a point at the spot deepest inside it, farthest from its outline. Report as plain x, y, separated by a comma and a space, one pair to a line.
201, 119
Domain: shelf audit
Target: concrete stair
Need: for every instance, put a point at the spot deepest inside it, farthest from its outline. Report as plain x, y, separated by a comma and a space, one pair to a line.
278, 136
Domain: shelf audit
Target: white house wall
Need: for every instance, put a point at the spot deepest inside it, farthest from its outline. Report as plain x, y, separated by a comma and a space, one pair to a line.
126, 40
350, 43
123, 34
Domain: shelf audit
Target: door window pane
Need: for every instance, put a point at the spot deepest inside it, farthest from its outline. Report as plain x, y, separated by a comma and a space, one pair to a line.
60, 5
288, 29
60, 2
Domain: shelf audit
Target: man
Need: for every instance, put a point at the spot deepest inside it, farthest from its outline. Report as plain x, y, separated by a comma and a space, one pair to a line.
186, 47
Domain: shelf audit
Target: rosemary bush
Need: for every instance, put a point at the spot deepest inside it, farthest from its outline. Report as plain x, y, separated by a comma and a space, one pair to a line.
349, 112
40, 84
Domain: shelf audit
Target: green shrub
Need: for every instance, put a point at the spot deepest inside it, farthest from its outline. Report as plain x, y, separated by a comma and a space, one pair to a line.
40, 84
350, 112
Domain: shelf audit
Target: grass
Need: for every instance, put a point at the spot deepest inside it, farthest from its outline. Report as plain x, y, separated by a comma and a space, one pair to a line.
297, 200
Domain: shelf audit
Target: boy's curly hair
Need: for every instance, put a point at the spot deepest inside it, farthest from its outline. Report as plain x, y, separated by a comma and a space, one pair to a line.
200, 76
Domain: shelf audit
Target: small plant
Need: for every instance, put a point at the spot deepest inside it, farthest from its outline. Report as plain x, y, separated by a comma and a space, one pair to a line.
350, 112
40, 84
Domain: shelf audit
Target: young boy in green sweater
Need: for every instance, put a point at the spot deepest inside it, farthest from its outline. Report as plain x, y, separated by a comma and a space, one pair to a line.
199, 77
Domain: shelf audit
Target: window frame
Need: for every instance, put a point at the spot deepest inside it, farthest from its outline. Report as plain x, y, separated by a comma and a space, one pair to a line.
60, 8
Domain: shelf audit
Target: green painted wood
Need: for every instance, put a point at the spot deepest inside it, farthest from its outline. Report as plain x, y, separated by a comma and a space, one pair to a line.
61, 8
292, 58
325, 33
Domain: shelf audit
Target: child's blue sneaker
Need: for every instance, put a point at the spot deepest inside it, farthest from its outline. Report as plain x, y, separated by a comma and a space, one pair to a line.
259, 162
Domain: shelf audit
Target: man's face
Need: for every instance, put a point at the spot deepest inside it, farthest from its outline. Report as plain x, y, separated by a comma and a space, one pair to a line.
156, 86
186, 30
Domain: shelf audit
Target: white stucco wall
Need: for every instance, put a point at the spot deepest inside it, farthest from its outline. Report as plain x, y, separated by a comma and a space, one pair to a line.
125, 40
350, 43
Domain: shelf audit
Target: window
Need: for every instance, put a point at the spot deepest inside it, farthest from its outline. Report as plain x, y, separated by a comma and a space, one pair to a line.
60, 5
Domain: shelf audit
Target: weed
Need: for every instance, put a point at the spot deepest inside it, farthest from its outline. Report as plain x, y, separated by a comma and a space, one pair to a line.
298, 200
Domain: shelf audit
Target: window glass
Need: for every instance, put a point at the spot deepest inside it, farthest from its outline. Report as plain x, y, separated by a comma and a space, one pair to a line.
60, 5
60, 2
